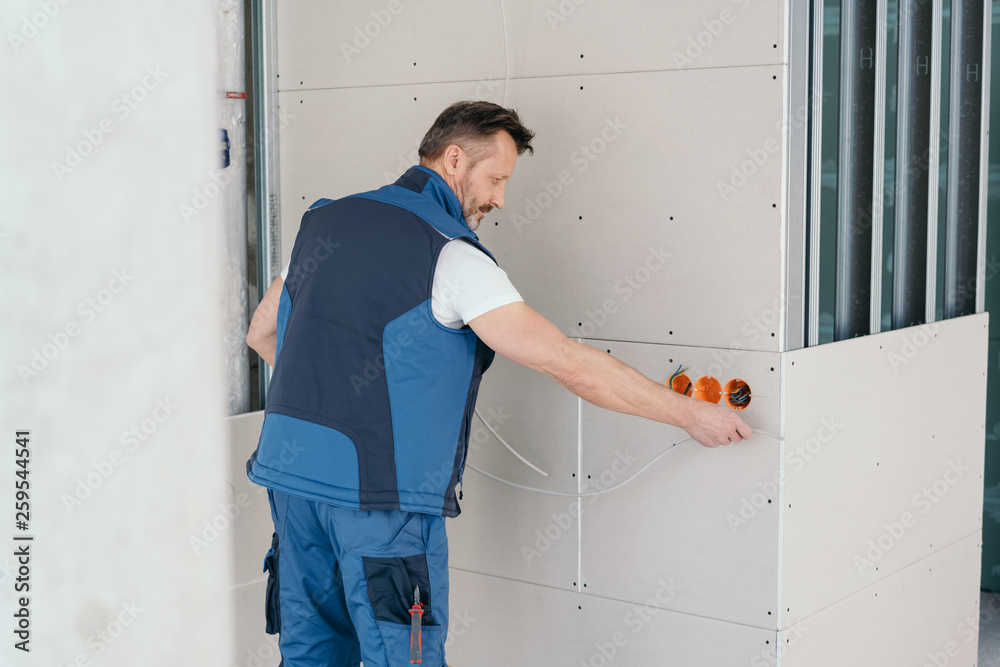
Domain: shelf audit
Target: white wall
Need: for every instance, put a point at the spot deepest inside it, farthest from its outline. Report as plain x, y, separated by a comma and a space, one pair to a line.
111, 325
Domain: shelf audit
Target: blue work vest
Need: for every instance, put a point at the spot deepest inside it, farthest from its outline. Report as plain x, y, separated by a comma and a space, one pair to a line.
371, 399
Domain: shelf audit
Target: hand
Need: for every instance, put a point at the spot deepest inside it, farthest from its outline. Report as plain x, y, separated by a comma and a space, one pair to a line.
713, 425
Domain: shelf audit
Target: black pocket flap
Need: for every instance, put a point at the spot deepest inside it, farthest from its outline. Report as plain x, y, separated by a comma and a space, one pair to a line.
390, 587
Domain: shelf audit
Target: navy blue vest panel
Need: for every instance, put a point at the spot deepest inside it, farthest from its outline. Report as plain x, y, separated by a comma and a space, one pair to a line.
371, 399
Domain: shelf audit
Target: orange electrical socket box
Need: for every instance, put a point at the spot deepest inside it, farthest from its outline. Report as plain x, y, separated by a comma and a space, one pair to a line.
707, 388
737, 393
682, 385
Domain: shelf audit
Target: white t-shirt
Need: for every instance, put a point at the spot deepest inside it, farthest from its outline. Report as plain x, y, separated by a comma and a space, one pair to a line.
467, 284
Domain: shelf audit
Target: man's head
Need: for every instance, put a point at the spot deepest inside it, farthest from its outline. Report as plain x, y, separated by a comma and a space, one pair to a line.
474, 146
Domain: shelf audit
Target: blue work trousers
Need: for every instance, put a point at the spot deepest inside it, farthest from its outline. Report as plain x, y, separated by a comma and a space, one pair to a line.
342, 582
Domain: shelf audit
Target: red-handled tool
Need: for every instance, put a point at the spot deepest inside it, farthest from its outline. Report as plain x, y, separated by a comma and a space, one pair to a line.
416, 615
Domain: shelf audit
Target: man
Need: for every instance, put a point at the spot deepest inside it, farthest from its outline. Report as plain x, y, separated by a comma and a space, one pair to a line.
384, 321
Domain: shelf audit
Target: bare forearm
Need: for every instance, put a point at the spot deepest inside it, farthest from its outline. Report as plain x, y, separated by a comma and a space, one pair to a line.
266, 349
522, 335
599, 378
262, 336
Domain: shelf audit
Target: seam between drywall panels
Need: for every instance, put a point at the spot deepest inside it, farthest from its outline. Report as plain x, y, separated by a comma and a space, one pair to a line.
631, 603
834, 603
782, 431
784, 225
579, 489
303, 89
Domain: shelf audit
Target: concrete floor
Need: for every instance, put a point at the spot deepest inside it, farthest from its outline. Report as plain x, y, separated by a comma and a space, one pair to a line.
989, 629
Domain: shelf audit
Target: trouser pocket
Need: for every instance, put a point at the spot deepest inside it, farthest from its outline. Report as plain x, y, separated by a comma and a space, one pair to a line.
397, 642
391, 582
272, 610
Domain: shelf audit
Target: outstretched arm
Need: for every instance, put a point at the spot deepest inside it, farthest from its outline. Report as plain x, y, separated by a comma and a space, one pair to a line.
519, 333
263, 334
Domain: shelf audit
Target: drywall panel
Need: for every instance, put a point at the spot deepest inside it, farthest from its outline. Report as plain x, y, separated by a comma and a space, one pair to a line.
708, 518
925, 614
510, 532
336, 143
495, 622
559, 37
350, 44
625, 225
883, 460
243, 519
647, 213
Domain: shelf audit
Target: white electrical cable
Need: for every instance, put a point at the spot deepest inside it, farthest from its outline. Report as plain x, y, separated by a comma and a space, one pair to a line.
249, 583
548, 493
511, 449
609, 489
506, 58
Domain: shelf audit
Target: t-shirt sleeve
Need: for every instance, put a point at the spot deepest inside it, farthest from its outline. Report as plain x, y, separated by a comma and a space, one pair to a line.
467, 284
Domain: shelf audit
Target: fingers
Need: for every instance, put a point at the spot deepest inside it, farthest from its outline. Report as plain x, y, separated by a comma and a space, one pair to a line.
720, 426
706, 440
736, 428
744, 430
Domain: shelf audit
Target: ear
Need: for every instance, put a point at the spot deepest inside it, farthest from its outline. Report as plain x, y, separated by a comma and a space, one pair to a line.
454, 159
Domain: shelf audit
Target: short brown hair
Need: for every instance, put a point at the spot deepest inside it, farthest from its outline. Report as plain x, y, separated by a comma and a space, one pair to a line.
469, 125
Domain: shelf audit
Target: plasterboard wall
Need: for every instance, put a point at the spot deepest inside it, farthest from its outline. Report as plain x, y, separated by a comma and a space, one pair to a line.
648, 223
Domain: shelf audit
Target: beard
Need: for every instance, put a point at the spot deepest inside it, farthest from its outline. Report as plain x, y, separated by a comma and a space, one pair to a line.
470, 207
